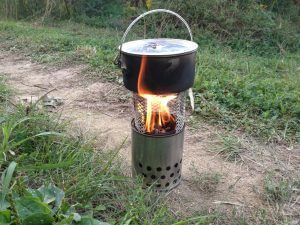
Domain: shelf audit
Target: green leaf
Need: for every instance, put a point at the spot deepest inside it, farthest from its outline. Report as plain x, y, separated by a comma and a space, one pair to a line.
35, 193
66, 221
5, 180
89, 221
19, 122
4, 204
52, 193
38, 218
76, 217
17, 144
48, 133
5, 217
100, 208
67, 209
27, 206
149, 4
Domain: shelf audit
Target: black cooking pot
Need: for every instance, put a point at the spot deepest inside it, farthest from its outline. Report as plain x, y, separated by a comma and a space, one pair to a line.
159, 66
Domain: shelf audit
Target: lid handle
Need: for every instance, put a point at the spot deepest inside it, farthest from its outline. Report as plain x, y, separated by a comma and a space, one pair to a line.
117, 59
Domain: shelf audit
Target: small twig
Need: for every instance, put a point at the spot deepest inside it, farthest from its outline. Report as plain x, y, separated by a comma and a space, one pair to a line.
291, 214
9, 101
228, 203
36, 86
296, 201
110, 91
233, 185
106, 114
253, 161
43, 96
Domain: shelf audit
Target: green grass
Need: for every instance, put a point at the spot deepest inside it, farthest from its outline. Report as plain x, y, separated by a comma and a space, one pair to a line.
253, 93
231, 148
256, 94
4, 90
91, 178
60, 44
277, 189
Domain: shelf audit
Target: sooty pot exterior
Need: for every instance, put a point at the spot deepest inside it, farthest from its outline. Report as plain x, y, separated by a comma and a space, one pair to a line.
161, 74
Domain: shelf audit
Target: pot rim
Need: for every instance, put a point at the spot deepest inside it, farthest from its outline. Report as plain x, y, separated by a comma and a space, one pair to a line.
193, 46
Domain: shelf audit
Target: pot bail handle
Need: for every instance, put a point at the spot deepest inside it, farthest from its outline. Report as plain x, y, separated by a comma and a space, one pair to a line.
117, 59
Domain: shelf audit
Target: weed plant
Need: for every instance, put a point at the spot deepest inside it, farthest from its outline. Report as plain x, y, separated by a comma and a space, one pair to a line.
4, 91
231, 148
91, 178
277, 189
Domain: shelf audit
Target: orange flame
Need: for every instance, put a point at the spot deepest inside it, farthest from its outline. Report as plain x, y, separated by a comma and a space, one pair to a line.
158, 114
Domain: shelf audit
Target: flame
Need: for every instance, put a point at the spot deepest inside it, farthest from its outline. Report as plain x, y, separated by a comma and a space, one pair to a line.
157, 113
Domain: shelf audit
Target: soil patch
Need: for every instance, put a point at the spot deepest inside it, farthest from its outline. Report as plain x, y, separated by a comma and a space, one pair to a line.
104, 110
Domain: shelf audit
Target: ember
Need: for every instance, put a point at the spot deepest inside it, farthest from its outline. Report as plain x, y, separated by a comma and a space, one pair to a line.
168, 127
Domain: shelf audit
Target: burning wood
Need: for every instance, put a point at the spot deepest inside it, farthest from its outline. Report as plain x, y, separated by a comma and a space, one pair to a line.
158, 119
168, 127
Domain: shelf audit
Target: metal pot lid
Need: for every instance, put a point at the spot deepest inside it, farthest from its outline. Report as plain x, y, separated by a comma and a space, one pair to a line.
159, 47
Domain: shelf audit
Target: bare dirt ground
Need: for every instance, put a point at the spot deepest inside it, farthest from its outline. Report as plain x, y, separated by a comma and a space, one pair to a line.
103, 110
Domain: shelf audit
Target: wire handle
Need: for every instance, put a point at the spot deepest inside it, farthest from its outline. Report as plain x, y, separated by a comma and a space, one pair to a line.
117, 59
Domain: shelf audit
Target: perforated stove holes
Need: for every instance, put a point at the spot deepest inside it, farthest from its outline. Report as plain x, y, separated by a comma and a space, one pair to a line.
159, 176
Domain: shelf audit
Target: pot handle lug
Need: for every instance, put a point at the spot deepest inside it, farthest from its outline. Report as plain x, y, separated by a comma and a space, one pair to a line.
117, 59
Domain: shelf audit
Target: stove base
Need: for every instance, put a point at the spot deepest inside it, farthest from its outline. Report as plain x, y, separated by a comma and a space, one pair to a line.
158, 159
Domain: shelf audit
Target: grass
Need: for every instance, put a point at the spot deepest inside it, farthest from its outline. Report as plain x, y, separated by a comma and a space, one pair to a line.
277, 189
88, 176
256, 94
66, 44
231, 147
240, 90
91, 178
4, 90
207, 181
247, 79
